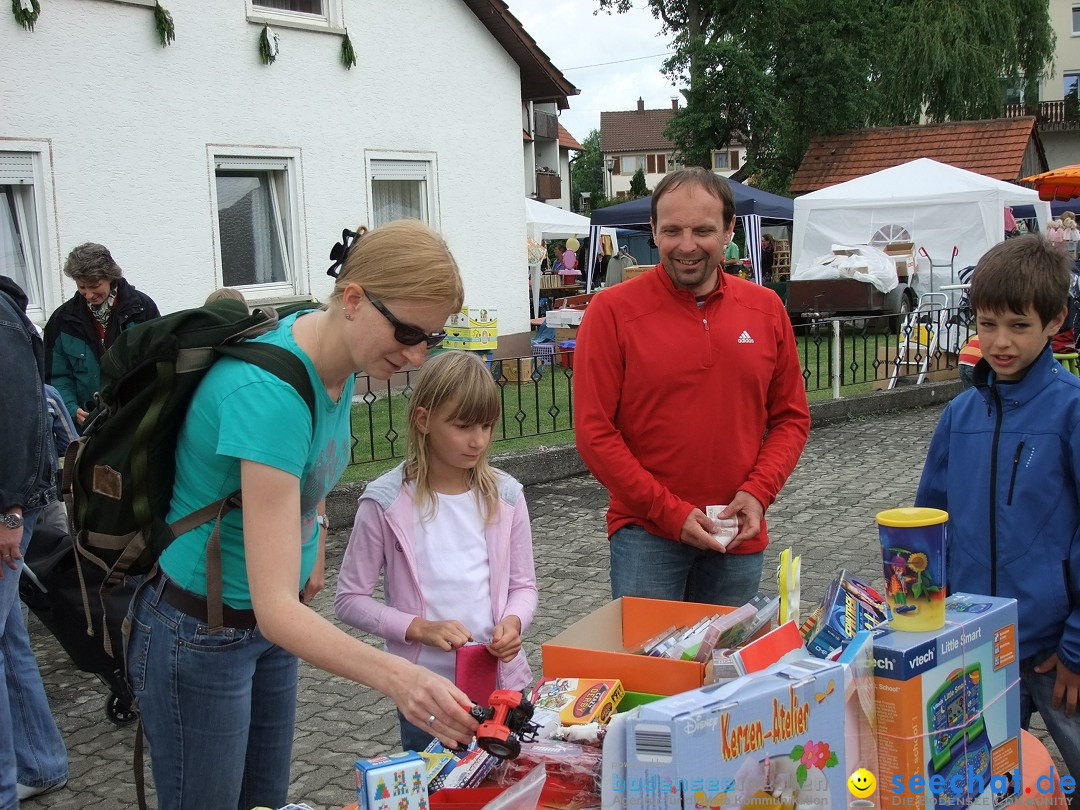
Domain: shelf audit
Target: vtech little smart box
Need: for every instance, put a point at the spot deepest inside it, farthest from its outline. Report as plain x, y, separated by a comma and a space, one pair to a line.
948, 708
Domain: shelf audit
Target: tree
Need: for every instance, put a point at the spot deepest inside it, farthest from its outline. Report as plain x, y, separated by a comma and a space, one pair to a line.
775, 74
587, 173
637, 185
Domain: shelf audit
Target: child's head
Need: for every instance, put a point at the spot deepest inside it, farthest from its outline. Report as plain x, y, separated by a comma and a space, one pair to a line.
224, 293
1020, 292
453, 408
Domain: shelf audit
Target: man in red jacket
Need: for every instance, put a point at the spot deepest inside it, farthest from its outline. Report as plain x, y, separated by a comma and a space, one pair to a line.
688, 393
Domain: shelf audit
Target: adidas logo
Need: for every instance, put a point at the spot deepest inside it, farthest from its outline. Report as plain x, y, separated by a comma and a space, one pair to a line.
745, 337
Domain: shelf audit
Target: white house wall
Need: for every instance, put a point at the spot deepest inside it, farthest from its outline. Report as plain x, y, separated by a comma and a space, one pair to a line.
127, 128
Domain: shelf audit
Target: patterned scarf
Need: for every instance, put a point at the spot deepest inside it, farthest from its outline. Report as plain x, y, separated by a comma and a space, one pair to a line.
102, 311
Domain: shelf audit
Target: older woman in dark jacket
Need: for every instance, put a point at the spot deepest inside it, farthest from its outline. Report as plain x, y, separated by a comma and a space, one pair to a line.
82, 328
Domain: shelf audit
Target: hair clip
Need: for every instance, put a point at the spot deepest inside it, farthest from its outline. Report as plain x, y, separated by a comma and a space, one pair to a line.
340, 251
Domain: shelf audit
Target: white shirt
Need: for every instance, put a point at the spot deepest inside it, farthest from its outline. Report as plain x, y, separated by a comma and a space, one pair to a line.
454, 573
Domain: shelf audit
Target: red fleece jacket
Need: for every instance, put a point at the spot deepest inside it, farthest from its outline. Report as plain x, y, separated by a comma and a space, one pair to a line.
680, 406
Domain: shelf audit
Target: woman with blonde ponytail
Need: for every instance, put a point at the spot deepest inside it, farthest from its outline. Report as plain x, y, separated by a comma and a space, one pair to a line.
218, 706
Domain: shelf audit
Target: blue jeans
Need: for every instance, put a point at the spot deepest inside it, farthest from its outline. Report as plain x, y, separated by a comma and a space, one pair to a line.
32, 751
645, 565
218, 709
1037, 694
413, 738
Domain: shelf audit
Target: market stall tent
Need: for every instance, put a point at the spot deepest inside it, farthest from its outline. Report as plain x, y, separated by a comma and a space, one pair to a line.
938, 206
543, 221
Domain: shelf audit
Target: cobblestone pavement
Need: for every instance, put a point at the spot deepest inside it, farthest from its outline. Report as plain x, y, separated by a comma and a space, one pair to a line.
849, 472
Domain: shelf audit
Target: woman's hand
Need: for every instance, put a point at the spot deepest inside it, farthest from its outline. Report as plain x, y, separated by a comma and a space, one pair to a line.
422, 695
446, 635
506, 639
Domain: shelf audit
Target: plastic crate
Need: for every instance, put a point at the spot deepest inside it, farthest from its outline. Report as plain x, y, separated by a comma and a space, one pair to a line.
544, 353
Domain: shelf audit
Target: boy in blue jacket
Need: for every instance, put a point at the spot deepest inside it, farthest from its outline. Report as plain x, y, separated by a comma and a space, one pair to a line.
1005, 464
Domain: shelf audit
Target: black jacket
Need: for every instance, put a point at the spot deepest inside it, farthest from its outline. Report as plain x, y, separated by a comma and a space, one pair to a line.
28, 460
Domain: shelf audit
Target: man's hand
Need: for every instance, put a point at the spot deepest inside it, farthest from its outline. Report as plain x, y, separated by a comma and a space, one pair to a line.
447, 635
10, 548
1066, 686
506, 639
749, 511
80, 416
697, 532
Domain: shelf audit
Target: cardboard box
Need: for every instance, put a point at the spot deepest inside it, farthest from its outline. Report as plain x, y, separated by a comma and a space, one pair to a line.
515, 369
577, 701
395, 782
458, 337
903, 254
595, 646
781, 730
943, 368
565, 333
846, 608
948, 704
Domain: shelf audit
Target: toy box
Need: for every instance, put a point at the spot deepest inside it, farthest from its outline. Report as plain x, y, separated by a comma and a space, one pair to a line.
475, 318
777, 738
847, 607
395, 782
577, 700
948, 705
596, 646
467, 337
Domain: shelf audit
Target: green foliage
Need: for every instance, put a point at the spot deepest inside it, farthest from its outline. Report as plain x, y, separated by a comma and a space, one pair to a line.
163, 23
268, 45
637, 185
26, 17
773, 75
348, 55
587, 172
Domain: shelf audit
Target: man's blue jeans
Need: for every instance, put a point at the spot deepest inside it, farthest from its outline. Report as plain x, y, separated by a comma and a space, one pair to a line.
643, 564
1037, 694
218, 708
32, 751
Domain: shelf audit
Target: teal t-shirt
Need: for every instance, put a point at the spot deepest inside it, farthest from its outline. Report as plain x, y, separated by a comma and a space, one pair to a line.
731, 252
240, 411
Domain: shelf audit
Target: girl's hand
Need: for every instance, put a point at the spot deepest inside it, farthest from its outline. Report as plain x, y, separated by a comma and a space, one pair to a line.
506, 639
422, 695
447, 635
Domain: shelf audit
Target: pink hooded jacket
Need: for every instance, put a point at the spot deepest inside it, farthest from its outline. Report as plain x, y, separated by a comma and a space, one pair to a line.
382, 538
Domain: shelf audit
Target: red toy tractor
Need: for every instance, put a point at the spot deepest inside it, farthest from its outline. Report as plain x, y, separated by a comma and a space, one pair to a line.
505, 724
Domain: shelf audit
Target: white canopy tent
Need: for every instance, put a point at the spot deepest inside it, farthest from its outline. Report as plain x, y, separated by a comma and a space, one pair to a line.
938, 205
543, 221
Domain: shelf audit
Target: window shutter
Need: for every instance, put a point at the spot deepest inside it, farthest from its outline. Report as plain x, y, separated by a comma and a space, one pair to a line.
617, 169
250, 164
650, 164
16, 167
661, 164
734, 159
400, 169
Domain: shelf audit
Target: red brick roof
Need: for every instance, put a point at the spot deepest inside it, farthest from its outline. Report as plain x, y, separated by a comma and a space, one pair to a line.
994, 148
566, 140
635, 130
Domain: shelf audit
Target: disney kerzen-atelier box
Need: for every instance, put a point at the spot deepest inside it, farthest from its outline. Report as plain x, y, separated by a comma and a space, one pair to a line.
772, 739
948, 705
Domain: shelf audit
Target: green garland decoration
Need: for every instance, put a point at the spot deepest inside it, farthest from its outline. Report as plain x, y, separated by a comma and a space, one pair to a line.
268, 45
348, 55
26, 13
163, 22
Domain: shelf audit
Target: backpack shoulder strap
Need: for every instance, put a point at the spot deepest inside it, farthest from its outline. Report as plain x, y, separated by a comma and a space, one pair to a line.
278, 361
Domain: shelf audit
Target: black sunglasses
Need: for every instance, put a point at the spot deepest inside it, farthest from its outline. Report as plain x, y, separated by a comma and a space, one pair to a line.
340, 251
406, 334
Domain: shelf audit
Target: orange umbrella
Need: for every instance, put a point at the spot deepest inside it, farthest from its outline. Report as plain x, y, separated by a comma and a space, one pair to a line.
1057, 184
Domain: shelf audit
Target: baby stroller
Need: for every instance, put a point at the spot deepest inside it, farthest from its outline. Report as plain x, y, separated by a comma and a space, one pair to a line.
49, 585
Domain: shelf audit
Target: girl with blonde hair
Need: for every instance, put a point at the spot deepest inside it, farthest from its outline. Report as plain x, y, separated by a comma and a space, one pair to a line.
218, 706
451, 536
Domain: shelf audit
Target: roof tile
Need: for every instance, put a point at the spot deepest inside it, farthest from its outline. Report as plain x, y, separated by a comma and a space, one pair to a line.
566, 140
635, 130
994, 148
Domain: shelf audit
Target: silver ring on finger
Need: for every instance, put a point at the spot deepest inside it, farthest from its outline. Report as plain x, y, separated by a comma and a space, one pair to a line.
431, 720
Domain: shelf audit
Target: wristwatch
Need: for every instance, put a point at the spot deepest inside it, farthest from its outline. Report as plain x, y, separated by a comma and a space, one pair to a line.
11, 520
324, 521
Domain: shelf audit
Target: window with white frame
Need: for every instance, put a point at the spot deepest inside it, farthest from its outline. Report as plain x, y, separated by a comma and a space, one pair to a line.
311, 14
1076, 19
19, 229
1071, 79
629, 164
257, 220
719, 160
401, 189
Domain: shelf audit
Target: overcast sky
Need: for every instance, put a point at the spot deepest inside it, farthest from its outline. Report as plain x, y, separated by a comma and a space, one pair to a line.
574, 38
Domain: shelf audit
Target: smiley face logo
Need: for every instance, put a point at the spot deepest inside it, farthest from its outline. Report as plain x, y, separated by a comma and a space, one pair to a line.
861, 783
